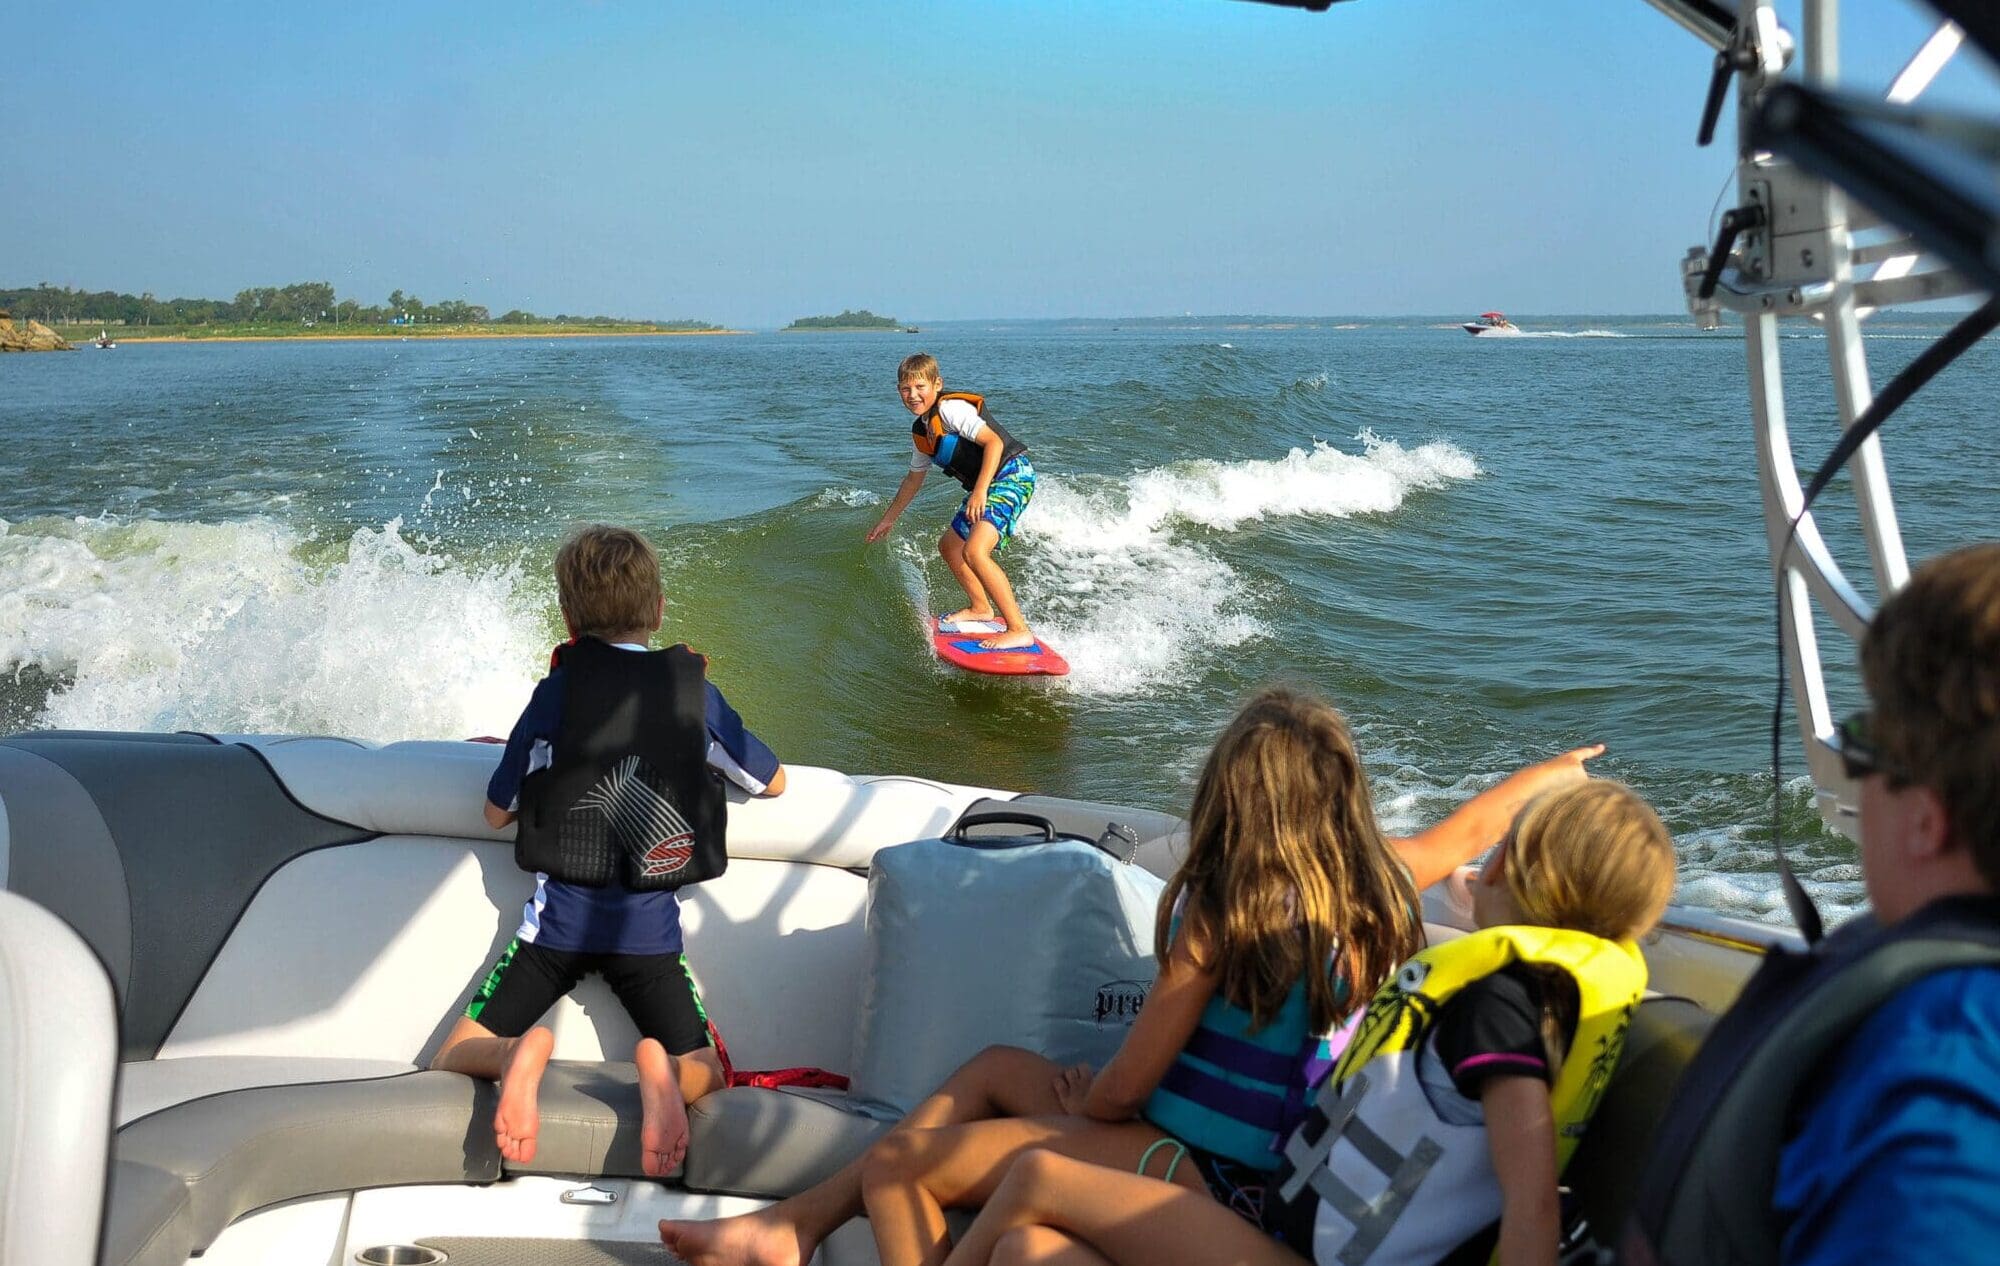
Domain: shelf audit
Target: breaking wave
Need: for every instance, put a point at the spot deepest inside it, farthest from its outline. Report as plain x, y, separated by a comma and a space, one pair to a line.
248, 626
1122, 574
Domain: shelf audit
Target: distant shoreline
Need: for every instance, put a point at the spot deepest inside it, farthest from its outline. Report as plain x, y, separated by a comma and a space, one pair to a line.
125, 335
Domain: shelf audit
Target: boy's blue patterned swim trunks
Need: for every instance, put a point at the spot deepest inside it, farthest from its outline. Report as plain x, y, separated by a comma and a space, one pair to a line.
1006, 497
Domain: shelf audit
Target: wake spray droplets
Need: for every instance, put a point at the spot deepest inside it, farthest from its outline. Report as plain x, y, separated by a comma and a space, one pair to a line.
223, 628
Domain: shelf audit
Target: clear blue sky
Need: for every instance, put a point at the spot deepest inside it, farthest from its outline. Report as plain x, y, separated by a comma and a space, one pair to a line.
751, 163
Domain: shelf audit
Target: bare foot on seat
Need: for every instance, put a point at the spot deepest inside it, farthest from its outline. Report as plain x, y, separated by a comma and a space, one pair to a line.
1008, 641
518, 1119
751, 1239
663, 1134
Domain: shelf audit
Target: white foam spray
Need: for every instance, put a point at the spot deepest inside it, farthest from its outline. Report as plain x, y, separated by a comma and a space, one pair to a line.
1573, 334
226, 628
1119, 574
826, 497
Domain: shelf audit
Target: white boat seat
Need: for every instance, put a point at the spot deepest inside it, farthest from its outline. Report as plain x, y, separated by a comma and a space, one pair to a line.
58, 1057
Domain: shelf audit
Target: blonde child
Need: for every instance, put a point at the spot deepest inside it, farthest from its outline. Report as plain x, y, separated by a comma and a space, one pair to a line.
953, 431
1472, 1072
1288, 891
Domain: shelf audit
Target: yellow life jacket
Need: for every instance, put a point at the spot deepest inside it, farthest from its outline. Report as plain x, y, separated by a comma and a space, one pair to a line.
1374, 1141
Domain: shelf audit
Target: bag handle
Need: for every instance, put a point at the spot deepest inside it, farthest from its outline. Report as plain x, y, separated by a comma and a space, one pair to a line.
1119, 840
1001, 817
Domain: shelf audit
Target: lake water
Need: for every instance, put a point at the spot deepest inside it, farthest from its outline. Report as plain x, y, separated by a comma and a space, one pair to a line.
1485, 551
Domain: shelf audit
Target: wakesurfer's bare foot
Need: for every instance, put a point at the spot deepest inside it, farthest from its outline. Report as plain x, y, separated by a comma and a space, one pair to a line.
973, 614
663, 1130
750, 1239
1008, 641
518, 1120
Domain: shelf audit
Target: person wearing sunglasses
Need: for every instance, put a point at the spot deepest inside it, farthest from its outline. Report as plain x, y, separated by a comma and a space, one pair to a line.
1847, 1108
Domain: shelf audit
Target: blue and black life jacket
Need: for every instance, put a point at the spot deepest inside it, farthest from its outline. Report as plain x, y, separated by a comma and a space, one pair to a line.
1706, 1196
1234, 1091
961, 458
629, 796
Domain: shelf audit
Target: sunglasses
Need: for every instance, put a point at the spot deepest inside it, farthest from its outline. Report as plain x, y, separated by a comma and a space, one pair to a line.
1854, 739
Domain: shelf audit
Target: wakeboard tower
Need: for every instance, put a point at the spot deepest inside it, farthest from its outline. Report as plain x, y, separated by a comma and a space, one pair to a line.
1846, 204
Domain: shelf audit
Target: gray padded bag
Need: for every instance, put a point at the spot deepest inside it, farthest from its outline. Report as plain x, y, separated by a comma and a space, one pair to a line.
1043, 943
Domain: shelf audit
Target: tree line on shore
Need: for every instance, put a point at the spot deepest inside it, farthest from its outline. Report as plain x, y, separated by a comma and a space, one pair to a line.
302, 303
847, 320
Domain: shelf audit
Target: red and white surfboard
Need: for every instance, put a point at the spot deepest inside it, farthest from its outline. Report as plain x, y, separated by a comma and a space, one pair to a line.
964, 651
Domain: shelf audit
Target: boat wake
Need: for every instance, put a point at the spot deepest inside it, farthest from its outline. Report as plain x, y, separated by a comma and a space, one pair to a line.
1123, 574
1531, 334
255, 625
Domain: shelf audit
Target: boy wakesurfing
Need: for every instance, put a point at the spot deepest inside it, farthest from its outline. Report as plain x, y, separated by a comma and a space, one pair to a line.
952, 430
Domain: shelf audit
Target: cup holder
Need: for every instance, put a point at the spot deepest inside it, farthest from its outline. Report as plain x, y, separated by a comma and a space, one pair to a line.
399, 1255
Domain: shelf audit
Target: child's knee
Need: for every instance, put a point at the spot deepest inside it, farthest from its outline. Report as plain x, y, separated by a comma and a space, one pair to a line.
1027, 1245
891, 1161
1038, 1168
999, 1055
703, 1055
997, 1066
980, 545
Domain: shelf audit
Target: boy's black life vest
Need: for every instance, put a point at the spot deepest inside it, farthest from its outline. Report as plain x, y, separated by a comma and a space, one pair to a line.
630, 797
1706, 1197
961, 458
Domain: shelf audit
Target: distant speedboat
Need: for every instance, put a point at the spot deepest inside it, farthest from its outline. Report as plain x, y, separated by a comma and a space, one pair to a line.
1491, 323
104, 340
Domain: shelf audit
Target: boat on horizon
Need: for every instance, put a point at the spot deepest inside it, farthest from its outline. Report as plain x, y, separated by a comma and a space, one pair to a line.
1491, 324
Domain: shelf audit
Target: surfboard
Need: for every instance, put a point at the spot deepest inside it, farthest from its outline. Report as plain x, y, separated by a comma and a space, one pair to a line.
963, 650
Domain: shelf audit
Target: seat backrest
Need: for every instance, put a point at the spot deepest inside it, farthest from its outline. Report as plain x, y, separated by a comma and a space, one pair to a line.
1604, 1172
58, 1064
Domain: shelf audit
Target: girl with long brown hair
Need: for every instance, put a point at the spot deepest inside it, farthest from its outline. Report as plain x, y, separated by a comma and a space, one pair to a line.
1288, 910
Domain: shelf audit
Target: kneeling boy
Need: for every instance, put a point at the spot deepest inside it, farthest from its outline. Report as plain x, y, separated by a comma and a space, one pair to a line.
608, 582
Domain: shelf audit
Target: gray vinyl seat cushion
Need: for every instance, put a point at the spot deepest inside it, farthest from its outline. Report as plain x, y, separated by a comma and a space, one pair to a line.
744, 1142
147, 1218
183, 1172
244, 1149
773, 1143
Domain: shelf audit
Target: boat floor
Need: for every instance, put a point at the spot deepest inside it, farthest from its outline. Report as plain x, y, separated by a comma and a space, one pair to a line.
494, 1250
514, 1222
